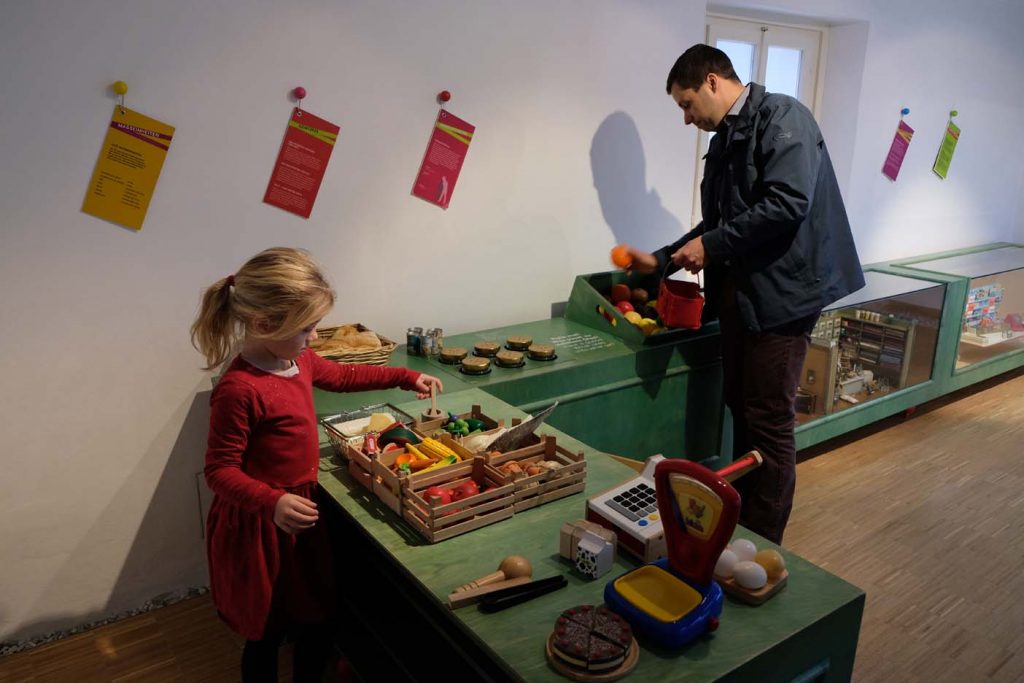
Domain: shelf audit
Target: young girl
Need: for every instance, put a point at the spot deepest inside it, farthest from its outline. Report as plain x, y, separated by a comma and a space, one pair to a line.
269, 558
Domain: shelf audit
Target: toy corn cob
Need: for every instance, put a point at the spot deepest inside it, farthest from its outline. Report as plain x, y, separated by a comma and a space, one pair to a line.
417, 453
444, 462
437, 450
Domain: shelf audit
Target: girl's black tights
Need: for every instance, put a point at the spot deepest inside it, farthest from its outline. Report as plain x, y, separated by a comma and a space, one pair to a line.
312, 649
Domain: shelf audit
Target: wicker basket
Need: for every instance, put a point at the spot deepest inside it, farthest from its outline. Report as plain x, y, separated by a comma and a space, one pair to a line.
365, 356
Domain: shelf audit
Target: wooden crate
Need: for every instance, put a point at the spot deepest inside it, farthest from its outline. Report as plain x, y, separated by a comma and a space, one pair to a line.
360, 465
458, 517
428, 427
531, 491
388, 485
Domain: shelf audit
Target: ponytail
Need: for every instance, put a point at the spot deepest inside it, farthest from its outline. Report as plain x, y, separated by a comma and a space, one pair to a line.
215, 328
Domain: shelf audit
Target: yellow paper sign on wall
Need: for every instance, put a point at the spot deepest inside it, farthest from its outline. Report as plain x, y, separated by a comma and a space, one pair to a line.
128, 168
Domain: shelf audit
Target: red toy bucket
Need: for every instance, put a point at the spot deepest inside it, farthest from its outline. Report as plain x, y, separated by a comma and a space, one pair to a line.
680, 304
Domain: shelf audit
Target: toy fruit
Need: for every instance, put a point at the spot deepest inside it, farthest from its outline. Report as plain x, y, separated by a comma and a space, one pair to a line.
624, 306
465, 490
620, 292
638, 297
633, 317
647, 326
621, 256
438, 495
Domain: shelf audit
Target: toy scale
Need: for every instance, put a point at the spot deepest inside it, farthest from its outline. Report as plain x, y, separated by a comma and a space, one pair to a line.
675, 599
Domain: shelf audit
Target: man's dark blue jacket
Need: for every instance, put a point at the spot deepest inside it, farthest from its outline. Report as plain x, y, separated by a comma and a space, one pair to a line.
773, 218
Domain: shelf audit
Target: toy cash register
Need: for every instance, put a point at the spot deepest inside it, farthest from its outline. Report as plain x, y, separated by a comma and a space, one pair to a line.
631, 511
674, 600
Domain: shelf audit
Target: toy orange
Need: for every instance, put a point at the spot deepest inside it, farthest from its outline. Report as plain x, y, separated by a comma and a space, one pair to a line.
621, 256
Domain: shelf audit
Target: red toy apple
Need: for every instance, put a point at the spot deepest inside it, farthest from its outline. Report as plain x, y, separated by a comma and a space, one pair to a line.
620, 292
624, 306
438, 496
465, 490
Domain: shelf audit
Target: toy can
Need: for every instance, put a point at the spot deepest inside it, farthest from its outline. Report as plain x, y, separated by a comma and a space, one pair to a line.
414, 341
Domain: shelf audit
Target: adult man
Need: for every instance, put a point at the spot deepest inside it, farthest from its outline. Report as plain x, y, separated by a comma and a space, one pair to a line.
775, 247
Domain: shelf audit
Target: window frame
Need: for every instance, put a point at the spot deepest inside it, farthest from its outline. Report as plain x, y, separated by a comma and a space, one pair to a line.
767, 33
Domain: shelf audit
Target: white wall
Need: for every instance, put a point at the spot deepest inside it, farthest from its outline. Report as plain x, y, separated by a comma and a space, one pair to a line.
930, 56
103, 410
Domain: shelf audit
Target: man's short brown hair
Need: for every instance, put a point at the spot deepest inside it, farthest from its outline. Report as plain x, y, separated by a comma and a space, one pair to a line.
695, 64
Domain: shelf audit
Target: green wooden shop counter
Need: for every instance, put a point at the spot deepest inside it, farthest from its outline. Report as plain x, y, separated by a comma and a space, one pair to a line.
397, 625
629, 400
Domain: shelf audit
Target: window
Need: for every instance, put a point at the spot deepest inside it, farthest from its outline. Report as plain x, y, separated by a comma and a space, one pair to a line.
782, 58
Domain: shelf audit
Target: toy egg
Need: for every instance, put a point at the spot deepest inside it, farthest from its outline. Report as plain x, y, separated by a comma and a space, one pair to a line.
726, 563
541, 351
772, 562
475, 366
452, 354
518, 342
750, 575
509, 359
486, 349
744, 549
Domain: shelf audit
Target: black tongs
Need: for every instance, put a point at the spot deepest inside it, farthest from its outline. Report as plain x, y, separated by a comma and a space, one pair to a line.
507, 597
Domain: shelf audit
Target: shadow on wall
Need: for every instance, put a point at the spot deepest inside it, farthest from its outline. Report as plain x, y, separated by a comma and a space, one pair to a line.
168, 553
633, 212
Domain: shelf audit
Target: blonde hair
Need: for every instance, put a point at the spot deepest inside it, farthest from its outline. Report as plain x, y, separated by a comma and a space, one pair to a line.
276, 294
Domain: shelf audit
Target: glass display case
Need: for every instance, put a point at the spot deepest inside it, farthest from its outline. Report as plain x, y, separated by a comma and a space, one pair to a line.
993, 317
871, 343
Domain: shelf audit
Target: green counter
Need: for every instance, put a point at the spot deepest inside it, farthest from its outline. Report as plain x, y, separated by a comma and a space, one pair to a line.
395, 585
631, 401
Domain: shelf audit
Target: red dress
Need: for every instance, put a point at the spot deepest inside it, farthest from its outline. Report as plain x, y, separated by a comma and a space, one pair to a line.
264, 443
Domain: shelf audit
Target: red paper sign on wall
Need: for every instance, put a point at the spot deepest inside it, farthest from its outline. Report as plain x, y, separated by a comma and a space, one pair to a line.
301, 163
443, 160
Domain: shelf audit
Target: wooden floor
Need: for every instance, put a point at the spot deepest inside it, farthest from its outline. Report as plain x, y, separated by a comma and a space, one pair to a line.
927, 517
925, 514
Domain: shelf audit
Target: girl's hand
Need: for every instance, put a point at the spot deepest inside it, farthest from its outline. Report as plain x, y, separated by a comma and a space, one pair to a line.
294, 514
423, 386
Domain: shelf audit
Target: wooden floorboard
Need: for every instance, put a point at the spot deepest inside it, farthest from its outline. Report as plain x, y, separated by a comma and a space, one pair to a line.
925, 514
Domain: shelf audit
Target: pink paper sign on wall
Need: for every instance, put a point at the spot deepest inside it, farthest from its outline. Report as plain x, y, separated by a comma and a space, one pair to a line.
898, 150
442, 163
